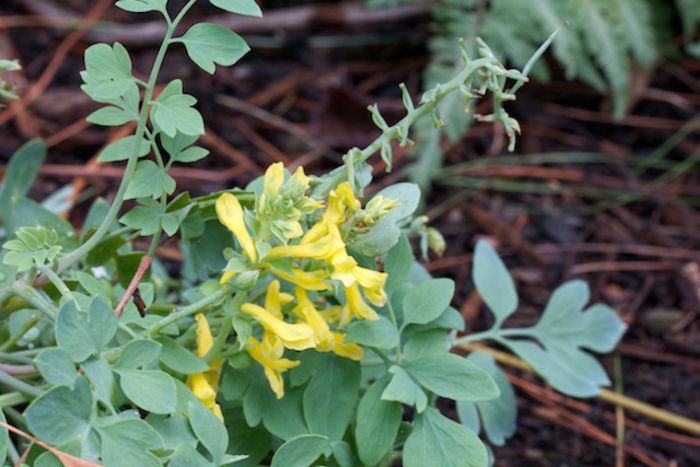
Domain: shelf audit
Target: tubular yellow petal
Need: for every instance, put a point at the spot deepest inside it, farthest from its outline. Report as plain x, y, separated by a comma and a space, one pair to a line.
216, 409
230, 213
226, 276
201, 388
293, 336
373, 284
307, 311
332, 314
274, 177
312, 280
356, 306
322, 248
343, 268
301, 177
204, 337
268, 353
275, 380
346, 349
272, 299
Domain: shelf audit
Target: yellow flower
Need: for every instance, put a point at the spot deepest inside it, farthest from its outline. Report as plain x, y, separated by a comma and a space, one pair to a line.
309, 280
293, 336
230, 213
323, 247
204, 385
274, 299
268, 353
326, 340
355, 306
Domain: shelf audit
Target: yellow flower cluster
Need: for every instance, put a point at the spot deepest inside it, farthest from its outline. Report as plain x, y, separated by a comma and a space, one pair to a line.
313, 261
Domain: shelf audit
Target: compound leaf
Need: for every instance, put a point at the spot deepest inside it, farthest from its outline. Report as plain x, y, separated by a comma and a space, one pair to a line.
210, 44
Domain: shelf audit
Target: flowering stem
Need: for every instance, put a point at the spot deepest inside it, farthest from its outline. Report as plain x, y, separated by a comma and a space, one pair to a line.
35, 298
214, 352
189, 310
75, 255
355, 157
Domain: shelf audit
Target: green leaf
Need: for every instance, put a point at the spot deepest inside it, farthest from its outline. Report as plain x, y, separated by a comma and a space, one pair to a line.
426, 343
408, 197
210, 431
253, 442
149, 181
301, 451
84, 333
437, 440
377, 425
56, 367
397, 264
380, 333
110, 116
21, 172
151, 390
174, 112
187, 456
138, 353
284, 417
146, 217
242, 7
126, 443
62, 413
107, 71
179, 359
180, 148
452, 376
121, 149
564, 330
100, 375
208, 44
333, 389
143, 6
427, 301
493, 282
403, 389
499, 416
174, 430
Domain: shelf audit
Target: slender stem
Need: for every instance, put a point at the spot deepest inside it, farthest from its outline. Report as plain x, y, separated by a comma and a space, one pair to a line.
130, 169
19, 385
355, 157
58, 283
189, 310
214, 352
12, 398
14, 339
35, 298
392, 316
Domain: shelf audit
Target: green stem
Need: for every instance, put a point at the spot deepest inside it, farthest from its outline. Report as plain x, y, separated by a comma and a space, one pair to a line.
35, 298
189, 310
355, 157
58, 283
392, 316
25, 329
226, 327
12, 398
130, 169
19, 385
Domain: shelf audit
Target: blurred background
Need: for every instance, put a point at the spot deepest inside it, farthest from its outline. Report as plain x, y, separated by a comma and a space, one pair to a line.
602, 185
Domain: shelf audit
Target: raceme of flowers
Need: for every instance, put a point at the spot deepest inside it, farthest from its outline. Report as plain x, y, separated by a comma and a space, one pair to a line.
273, 241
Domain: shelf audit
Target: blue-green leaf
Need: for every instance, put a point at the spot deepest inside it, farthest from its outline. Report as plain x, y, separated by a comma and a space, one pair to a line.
210, 431
427, 301
403, 389
377, 424
142, 6
210, 44
62, 413
241, 7
138, 353
301, 451
373, 333
449, 375
151, 390
493, 282
127, 443
437, 440
84, 333
107, 71
149, 181
121, 149
499, 416
56, 367
174, 112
